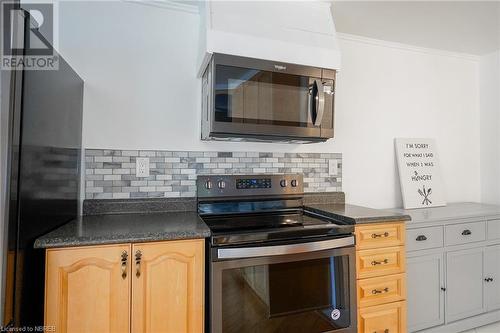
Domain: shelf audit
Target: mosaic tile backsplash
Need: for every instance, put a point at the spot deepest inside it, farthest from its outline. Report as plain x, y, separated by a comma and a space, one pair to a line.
111, 174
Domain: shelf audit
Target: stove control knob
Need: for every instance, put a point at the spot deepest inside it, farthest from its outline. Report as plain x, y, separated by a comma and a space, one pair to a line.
209, 185
221, 184
294, 183
284, 183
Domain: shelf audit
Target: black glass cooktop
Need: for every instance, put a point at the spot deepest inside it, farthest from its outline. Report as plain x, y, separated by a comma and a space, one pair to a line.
271, 226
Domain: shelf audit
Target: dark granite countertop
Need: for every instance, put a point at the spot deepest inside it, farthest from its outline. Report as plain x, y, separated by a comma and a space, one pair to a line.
353, 214
131, 221
125, 228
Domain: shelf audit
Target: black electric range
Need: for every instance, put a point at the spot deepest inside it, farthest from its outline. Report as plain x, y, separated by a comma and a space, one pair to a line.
274, 267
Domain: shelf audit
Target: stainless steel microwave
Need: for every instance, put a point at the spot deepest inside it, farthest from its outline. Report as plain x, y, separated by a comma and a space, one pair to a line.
248, 99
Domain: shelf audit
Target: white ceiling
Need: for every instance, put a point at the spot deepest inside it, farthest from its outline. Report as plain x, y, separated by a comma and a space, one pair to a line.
471, 27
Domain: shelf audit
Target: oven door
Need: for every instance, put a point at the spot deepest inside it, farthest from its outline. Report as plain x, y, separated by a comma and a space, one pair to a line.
254, 97
305, 287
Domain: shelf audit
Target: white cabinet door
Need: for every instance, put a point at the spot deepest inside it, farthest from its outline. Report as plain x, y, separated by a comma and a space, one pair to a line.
464, 289
492, 277
425, 278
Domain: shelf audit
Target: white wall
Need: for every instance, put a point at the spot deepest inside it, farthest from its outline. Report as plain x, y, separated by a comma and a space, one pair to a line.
138, 63
490, 127
387, 92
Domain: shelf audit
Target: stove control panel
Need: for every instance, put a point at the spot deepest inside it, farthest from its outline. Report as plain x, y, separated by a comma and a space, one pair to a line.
245, 185
249, 183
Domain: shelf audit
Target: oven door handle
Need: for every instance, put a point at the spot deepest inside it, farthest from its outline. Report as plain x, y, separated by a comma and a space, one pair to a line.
278, 250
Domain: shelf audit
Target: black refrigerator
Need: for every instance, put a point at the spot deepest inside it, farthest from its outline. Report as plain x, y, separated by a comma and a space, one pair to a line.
43, 176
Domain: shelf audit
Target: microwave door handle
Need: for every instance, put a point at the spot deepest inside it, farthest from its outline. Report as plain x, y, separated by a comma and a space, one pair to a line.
319, 101
277, 250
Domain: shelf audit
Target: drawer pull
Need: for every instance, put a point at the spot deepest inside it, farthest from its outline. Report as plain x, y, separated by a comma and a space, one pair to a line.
138, 257
421, 238
385, 234
488, 279
466, 232
124, 264
443, 288
375, 263
384, 331
377, 291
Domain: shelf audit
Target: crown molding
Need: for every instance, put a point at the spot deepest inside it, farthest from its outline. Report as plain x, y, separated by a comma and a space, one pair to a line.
168, 4
407, 47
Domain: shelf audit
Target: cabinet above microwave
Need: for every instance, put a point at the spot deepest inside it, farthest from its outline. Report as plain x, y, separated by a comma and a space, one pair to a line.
246, 99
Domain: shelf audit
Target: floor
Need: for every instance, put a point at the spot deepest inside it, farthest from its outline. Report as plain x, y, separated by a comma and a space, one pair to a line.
493, 328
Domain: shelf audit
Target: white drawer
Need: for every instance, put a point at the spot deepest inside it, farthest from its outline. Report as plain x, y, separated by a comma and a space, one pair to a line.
463, 233
494, 229
424, 238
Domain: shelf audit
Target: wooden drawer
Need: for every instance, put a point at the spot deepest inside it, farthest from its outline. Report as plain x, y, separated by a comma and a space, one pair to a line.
380, 290
494, 229
424, 238
463, 233
387, 318
371, 236
378, 262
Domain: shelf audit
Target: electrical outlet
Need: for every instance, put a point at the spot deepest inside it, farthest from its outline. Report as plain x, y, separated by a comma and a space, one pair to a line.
142, 167
333, 167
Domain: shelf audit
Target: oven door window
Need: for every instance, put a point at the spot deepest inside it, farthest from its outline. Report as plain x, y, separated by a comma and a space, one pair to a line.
254, 96
301, 296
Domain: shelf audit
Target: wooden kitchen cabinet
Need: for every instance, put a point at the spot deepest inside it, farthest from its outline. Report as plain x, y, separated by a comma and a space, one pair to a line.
147, 287
379, 235
167, 287
380, 262
425, 291
381, 290
381, 277
387, 318
87, 289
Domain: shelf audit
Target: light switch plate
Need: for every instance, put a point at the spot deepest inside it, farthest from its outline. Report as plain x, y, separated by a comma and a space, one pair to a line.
333, 167
142, 167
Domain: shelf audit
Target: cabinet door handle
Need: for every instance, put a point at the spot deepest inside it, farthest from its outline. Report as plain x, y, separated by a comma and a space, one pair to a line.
488, 279
421, 238
385, 234
443, 288
124, 259
384, 331
375, 263
378, 291
138, 257
466, 232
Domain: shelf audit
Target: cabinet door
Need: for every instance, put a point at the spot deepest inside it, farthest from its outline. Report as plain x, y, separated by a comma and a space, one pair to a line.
492, 277
425, 278
464, 289
87, 290
167, 287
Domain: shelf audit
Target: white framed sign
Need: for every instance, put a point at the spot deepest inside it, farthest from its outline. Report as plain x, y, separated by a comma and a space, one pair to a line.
419, 173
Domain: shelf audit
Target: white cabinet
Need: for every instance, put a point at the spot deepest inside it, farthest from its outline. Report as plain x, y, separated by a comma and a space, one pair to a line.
453, 266
425, 276
464, 290
492, 277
